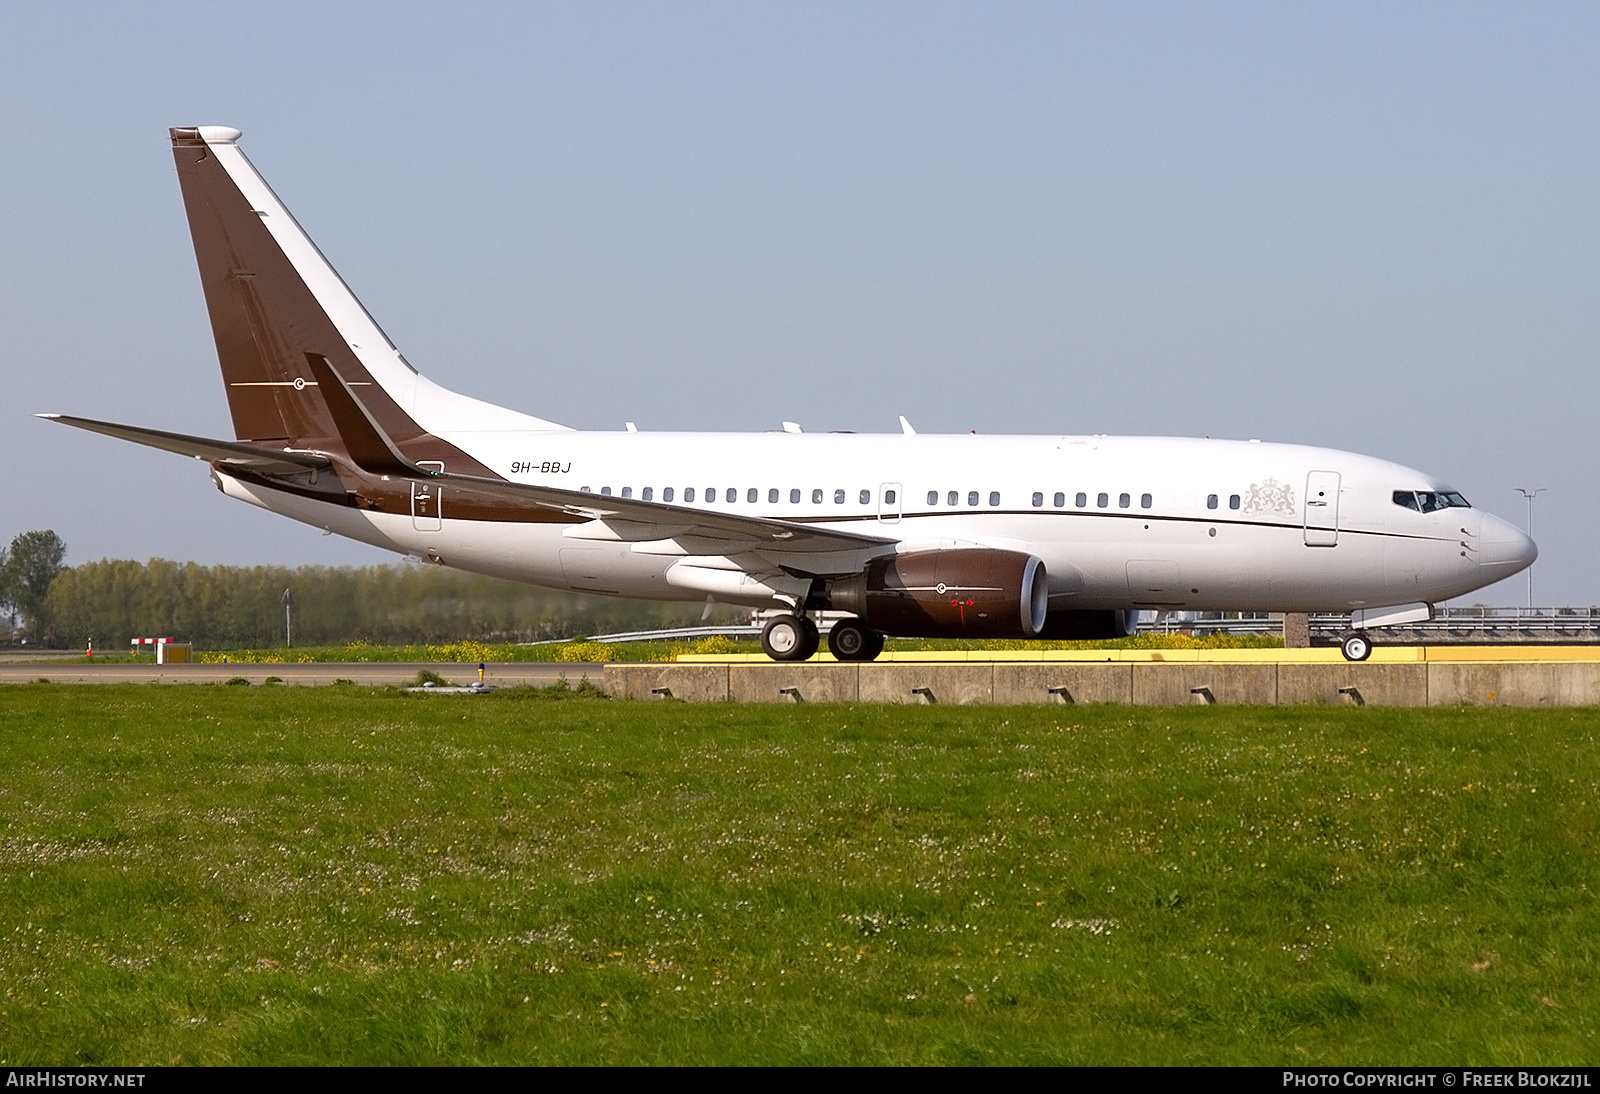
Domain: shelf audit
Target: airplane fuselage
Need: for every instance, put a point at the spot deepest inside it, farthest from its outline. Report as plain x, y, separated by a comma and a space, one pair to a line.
1120, 522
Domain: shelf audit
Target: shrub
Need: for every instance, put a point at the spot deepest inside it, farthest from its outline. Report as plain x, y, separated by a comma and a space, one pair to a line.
584, 651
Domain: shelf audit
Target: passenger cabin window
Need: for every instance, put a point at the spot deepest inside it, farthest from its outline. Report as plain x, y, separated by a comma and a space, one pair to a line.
772, 496
1060, 500
866, 497
994, 497
711, 494
952, 498
605, 491
933, 497
688, 493
972, 497
732, 494
1038, 499
1103, 500
666, 494
1145, 501
888, 497
1081, 501
647, 494
1211, 501
627, 491
794, 496
752, 495
1233, 501
1123, 500
816, 497
838, 497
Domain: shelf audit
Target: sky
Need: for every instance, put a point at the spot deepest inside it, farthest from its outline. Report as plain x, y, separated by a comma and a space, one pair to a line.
1374, 227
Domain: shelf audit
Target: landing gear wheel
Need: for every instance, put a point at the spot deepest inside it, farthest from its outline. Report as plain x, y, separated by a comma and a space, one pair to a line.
789, 638
1356, 647
813, 640
853, 640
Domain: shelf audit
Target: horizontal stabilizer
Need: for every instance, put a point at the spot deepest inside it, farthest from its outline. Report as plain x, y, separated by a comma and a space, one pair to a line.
250, 457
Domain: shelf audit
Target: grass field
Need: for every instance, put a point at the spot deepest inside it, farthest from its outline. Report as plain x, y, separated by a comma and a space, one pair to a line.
283, 875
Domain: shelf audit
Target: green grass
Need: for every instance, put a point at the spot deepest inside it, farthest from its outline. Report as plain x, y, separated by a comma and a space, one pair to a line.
340, 875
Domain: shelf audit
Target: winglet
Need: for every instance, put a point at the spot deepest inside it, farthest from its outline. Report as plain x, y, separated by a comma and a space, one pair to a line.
905, 427
369, 446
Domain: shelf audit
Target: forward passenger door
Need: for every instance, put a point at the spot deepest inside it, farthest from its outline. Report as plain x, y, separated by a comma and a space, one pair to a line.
1322, 509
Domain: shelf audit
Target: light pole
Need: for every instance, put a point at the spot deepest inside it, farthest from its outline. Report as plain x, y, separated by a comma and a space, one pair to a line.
288, 603
1530, 495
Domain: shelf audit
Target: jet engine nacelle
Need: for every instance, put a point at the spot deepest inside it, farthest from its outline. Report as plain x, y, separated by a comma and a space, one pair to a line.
970, 593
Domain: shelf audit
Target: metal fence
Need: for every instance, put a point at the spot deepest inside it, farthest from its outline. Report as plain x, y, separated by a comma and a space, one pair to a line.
1461, 626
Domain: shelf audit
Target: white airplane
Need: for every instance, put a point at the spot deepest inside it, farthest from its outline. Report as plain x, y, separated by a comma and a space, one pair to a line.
912, 535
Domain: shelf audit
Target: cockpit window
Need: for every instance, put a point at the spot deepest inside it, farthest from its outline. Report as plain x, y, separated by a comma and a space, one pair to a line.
1430, 501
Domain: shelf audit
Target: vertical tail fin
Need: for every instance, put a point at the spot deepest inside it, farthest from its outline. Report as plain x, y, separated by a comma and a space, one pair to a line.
273, 298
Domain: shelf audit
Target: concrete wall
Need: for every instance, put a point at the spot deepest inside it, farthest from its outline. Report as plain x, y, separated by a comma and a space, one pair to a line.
1136, 683
1141, 683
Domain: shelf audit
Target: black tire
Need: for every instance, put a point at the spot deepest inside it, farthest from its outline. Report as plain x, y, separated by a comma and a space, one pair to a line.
877, 647
813, 640
789, 638
853, 640
1356, 647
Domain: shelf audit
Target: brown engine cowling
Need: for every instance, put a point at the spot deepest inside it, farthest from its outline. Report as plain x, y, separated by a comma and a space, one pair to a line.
972, 593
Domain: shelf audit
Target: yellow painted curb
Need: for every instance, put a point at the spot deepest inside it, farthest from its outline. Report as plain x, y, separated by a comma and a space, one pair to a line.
1381, 655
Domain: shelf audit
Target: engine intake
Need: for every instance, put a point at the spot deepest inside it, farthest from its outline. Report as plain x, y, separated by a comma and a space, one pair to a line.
969, 593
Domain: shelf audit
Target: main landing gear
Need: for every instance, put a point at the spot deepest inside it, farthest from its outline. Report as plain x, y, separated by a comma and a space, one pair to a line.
1356, 647
852, 640
790, 638
794, 638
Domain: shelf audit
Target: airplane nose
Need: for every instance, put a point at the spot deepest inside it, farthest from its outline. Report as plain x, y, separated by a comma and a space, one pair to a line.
1503, 544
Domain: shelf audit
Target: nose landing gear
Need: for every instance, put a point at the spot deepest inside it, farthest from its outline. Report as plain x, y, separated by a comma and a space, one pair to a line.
1356, 647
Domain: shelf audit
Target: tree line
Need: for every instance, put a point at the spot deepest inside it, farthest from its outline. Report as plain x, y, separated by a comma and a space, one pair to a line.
28, 567
233, 607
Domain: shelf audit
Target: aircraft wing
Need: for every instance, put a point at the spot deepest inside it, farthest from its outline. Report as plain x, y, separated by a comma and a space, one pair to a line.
247, 456
616, 519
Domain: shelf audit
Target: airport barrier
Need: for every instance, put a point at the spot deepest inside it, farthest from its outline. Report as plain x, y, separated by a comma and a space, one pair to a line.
1414, 683
1515, 676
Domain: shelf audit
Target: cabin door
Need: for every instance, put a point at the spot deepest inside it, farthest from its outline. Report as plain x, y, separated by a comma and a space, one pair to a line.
426, 514
1322, 509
